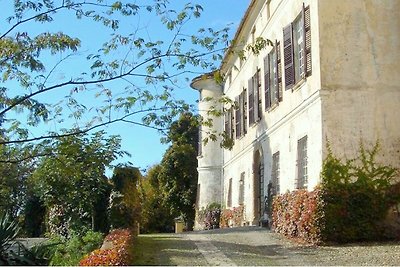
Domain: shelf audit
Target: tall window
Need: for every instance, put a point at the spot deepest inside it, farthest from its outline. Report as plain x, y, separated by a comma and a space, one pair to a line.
241, 114
275, 174
243, 107
228, 121
302, 160
297, 48
251, 102
229, 200
273, 77
241, 188
238, 117
257, 82
255, 102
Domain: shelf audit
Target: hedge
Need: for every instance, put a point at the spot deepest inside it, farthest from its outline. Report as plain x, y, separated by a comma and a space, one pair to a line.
351, 204
116, 251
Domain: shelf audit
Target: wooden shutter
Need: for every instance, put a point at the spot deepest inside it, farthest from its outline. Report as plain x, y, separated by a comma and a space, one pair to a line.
237, 117
288, 56
244, 111
232, 123
259, 94
255, 99
251, 102
226, 123
267, 82
307, 40
278, 71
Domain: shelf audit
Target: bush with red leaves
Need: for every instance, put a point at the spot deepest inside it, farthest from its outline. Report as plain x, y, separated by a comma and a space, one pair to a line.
120, 253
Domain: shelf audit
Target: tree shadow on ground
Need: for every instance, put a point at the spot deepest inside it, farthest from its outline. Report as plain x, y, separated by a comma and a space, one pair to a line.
272, 254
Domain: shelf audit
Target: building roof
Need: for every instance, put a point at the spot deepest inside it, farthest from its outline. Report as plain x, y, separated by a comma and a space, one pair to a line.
239, 31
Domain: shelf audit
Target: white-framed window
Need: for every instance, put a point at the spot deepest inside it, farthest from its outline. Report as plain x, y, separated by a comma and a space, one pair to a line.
273, 77
229, 200
302, 164
297, 48
298, 36
275, 173
241, 188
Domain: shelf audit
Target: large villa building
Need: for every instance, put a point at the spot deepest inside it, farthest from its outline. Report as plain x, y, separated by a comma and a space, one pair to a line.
330, 73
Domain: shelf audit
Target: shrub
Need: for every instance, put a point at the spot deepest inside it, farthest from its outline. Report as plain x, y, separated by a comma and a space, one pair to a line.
351, 205
357, 195
234, 216
209, 217
297, 215
226, 216
70, 251
120, 242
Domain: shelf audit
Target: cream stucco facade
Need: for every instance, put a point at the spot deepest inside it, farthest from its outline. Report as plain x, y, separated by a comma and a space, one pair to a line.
344, 88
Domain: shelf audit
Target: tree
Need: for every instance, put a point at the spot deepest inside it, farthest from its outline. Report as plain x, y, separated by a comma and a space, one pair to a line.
13, 178
178, 174
156, 215
131, 74
124, 201
72, 181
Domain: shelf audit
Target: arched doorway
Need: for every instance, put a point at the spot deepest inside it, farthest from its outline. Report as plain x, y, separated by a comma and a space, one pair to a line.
258, 180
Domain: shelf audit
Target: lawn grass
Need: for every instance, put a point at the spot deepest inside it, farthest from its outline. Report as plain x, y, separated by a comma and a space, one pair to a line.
165, 249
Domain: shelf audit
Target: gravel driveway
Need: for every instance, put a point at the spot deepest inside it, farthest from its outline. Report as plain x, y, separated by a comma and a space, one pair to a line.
258, 246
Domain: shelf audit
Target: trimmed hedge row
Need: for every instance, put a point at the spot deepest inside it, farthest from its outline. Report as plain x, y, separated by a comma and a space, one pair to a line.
116, 250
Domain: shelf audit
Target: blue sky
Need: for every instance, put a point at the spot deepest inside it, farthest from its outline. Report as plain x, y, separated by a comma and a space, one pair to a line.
142, 143
148, 151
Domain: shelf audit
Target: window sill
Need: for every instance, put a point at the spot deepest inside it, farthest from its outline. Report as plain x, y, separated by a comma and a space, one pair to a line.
273, 107
299, 84
255, 124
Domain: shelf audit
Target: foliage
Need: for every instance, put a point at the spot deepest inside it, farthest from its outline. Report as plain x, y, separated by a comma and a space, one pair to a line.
351, 205
34, 216
13, 252
131, 74
297, 215
8, 232
13, 176
101, 220
357, 196
155, 213
232, 217
70, 251
124, 209
178, 173
225, 218
210, 217
72, 180
119, 254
